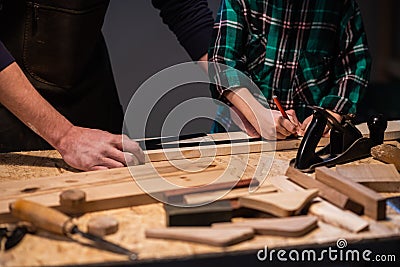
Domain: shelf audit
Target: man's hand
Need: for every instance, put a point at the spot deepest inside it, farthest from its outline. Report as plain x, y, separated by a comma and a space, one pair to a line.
90, 149
303, 127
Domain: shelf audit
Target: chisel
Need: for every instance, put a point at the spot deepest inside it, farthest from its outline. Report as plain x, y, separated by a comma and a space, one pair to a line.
56, 222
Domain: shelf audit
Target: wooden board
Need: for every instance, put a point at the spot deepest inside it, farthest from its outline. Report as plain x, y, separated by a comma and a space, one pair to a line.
203, 235
279, 204
378, 177
373, 203
223, 150
116, 188
290, 227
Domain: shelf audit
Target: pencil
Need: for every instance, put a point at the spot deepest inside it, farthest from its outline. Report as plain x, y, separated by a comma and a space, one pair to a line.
278, 104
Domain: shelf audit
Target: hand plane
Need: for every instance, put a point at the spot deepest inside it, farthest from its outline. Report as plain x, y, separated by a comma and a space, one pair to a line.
346, 142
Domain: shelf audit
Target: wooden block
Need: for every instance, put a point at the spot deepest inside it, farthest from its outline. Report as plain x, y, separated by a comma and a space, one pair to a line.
324, 210
328, 193
203, 235
373, 203
71, 201
378, 177
289, 227
387, 153
102, 225
337, 217
223, 195
279, 204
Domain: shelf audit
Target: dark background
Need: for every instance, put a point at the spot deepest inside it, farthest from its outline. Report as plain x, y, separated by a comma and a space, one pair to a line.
141, 45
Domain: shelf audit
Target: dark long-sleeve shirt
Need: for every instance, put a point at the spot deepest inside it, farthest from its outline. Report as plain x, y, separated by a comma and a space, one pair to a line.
191, 21
5, 57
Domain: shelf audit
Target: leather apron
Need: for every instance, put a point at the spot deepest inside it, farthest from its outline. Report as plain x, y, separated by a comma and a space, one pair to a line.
60, 47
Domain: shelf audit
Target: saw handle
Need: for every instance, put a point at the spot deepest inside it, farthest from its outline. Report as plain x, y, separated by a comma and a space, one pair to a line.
42, 217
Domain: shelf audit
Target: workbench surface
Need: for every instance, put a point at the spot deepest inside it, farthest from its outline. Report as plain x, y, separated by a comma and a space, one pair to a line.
47, 249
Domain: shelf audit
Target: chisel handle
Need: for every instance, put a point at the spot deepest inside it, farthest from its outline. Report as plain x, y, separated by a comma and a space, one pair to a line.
42, 217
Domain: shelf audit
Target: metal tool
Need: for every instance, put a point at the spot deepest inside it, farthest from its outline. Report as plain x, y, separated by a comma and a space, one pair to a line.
54, 221
346, 141
158, 143
13, 235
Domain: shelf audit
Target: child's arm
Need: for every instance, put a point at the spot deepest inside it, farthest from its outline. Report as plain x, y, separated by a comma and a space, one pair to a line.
230, 37
257, 117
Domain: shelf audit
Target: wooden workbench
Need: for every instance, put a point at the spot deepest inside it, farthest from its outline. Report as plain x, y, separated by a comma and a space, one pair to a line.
48, 249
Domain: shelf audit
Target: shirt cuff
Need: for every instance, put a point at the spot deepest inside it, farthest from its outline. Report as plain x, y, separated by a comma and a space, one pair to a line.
5, 57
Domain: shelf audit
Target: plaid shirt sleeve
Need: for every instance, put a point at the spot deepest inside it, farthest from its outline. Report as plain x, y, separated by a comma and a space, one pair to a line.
227, 51
352, 68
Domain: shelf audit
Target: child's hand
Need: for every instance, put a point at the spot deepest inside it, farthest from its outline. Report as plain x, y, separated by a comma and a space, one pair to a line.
303, 127
285, 127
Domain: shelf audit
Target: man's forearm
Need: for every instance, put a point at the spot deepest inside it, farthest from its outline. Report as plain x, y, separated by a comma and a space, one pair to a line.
19, 96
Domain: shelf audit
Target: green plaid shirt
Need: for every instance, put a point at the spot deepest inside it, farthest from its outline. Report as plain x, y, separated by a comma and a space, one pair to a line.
307, 52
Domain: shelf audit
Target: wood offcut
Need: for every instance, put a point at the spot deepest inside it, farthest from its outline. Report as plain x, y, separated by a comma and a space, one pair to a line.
373, 203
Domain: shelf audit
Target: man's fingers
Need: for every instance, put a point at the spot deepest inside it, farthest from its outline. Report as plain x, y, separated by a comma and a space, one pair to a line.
130, 146
131, 159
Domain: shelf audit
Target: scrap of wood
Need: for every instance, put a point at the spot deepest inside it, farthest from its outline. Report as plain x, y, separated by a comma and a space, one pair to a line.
289, 227
341, 218
387, 153
326, 192
279, 204
373, 203
324, 210
203, 235
177, 195
223, 194
378, 177
392, 131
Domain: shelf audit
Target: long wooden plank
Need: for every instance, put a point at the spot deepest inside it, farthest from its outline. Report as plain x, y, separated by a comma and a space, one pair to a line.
115, 188
373, 203
326, 192
225, 149
392, 133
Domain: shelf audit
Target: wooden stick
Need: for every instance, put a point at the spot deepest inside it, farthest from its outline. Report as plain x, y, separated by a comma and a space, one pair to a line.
373, 203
